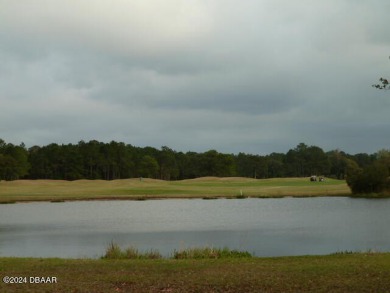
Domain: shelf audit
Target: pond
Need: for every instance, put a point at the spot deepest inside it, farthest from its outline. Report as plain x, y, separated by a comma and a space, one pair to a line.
264, 227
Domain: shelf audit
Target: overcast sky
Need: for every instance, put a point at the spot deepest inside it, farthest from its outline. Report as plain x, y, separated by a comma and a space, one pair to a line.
253, 76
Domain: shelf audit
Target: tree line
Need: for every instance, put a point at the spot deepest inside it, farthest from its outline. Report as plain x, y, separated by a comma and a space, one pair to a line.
117, 160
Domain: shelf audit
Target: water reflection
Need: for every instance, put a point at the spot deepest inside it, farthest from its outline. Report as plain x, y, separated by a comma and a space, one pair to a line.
265, 227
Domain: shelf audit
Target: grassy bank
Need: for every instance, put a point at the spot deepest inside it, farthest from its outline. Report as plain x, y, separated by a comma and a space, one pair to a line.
333, 273
207, 187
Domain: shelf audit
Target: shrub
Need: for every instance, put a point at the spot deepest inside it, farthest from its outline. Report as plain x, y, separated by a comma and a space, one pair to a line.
113, 251
372, 179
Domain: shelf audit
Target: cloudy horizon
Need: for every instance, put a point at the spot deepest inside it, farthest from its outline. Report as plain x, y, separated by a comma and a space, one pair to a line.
255, 77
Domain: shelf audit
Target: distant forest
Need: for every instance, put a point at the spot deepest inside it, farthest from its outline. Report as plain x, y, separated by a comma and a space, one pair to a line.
117, 160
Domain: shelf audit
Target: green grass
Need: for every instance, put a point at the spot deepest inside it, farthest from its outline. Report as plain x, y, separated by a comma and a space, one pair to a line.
114, 251
213, 187
209, 253
357, 272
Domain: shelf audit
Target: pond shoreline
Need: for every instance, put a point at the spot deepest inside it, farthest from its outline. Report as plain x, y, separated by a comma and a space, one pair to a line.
184, 197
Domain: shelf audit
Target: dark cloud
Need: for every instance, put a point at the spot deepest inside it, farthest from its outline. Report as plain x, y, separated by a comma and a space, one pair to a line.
257, 77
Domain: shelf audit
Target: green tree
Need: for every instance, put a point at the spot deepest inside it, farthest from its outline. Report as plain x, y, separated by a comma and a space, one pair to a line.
383, 83
8, 167
39, 163
20, 155
296, 162
384, 157
167, 162
92, 159
184, 167
13, 161
251, 166
71, 162
306, 160
276, 166
352, 173
363, 159
148, 167
316, 161
120, 159
372, 179
212, 163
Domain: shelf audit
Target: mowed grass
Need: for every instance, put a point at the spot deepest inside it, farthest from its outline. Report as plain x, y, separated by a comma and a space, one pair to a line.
206, 187
332, 273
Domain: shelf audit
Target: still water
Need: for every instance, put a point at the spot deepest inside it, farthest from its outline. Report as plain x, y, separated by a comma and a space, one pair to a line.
264, 227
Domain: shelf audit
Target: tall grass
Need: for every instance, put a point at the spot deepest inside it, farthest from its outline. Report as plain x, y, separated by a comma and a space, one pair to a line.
114, 251
366, 252
209, 252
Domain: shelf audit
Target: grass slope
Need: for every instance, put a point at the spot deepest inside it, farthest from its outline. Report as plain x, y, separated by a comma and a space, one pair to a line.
333, 273
54, 190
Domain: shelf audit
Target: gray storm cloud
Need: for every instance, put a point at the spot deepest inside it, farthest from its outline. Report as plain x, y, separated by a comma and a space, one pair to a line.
257, 77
